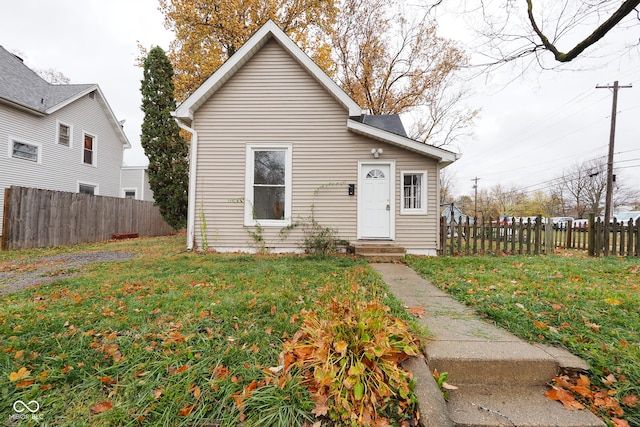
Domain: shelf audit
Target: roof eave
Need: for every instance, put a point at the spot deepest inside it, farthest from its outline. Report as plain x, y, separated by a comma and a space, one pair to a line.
22, 107
444, 157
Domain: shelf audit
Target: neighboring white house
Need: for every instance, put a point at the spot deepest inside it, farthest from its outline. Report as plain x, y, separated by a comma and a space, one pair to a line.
58, 136
134, 182
274, 140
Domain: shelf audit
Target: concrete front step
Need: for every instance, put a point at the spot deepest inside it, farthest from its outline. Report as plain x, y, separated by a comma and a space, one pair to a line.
379, 252
489, 406
501, 363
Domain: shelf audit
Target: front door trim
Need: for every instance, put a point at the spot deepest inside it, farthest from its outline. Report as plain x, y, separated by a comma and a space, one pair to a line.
392, 198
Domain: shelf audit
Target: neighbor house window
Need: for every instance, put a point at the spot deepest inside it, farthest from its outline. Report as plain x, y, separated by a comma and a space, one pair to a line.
414, 192
87, 189
64, 134
89, 150
268, 184
129, 194
25, 150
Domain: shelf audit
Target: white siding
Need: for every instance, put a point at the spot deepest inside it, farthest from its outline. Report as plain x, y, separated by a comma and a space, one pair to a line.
61, 167
272, 99
134, 177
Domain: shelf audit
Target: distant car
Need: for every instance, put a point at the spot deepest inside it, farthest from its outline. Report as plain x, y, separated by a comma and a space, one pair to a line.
561, 221
624, 217
582, 223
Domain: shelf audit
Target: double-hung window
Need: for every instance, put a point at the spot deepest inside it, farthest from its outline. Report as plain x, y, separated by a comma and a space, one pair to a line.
89, 150
414, 192
64, 134
268, 184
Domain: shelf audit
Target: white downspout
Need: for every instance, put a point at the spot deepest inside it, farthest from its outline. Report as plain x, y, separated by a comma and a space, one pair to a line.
191, 207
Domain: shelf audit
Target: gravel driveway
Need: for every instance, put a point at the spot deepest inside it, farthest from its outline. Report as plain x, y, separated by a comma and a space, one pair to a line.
16, 275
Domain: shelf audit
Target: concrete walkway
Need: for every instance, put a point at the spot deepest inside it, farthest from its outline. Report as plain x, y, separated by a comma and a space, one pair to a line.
501, 379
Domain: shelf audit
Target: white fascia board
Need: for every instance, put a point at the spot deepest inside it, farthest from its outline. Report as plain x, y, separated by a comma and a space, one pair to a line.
269, 30
72, 99
444, 157
105, 106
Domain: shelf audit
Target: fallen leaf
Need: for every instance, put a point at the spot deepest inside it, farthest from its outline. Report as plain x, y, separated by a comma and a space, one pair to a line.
631, 400
609, 380
565, 397
417, 312
101, 407
540, 325
197, 392
619, 423
25, 383
187, 410
613, 301
157, 393
21, 374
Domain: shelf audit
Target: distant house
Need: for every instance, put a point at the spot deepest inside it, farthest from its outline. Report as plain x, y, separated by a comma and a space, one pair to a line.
134, 183
57, 137
449, 210
275, 140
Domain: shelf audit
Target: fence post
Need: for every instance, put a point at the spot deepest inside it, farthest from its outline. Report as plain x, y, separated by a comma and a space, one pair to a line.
5, 221
538, 235
443, 235
549, 241
591, 245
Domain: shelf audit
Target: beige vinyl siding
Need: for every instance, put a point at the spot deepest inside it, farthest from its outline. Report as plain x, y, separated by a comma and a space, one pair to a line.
272, 99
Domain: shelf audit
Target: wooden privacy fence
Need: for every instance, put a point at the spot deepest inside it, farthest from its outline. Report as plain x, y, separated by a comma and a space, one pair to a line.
38, 218
535, 236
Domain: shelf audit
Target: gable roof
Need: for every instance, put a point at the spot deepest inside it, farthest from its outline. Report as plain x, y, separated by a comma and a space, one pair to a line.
385, 128
268, 31
22, 88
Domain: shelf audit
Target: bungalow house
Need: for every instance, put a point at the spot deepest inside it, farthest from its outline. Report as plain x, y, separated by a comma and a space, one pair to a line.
275, 142
56, 136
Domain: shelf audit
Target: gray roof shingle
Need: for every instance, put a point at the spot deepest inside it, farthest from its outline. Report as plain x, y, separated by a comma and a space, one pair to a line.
22, 86
388, 122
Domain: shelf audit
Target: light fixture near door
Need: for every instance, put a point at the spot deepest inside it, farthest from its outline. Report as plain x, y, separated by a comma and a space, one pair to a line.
376, 152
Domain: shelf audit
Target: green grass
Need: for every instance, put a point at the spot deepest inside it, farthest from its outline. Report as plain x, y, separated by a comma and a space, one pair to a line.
168, 338
588, 305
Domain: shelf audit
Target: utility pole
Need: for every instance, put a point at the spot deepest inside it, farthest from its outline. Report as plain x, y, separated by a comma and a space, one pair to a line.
475, 197
612, 135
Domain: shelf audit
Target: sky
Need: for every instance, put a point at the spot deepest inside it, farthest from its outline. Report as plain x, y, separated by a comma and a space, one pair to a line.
532, 125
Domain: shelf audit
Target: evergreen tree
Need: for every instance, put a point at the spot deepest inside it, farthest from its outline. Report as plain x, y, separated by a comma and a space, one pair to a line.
166, 149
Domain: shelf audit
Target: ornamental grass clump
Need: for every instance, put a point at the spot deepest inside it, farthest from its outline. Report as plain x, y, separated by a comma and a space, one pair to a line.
350, 359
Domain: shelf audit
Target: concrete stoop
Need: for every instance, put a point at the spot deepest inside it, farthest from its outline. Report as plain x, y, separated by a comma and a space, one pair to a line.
379, 252
500, 379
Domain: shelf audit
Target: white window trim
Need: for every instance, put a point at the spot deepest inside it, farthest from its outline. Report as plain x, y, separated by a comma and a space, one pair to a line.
423, 193
13, 139
249, 220
88, 184
135, 192
94, 149
58, 123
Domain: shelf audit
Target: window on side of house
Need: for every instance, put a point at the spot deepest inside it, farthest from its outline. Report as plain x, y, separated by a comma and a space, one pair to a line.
64, 134
414, 193
268, 185
87, 189
89, 150
129, 194
25, 150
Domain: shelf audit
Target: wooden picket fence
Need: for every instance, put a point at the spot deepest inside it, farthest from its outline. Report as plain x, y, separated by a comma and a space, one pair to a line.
533, 237
40, 218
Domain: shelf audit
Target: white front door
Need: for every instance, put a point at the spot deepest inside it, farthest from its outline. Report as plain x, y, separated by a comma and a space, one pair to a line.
376, 201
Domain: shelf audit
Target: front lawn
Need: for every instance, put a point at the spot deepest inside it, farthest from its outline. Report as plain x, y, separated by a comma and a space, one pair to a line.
591, 306
168, 338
